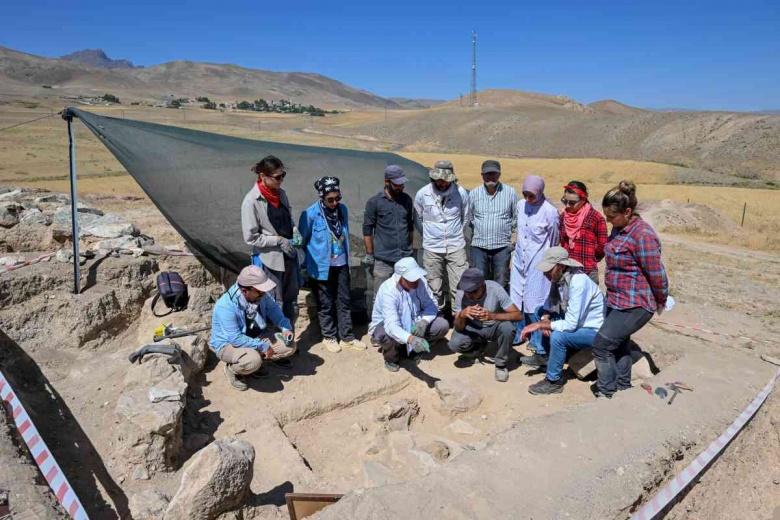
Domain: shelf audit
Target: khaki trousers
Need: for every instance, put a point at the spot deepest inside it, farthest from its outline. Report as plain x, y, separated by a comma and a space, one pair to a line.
455, 263
244, 361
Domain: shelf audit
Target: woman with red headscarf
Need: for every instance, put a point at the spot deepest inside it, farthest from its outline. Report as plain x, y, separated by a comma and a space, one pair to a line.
583, 229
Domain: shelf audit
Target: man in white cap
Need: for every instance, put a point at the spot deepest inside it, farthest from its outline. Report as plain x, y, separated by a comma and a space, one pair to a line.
405, 319
441, 213
569, 319
240, 333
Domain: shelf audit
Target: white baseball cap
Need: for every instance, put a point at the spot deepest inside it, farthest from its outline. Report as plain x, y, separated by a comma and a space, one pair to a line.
408, 269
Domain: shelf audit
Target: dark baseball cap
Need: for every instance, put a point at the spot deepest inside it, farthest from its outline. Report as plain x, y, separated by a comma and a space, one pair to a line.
471, 280
395, 174
491, 166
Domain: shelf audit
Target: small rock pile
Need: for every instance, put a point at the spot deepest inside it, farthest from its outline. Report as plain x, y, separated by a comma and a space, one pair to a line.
38, 220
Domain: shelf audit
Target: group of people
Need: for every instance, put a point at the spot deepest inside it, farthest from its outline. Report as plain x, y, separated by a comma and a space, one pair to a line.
542, 289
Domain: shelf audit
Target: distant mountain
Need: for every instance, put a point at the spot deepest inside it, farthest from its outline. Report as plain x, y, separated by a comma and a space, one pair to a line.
770, 111
98, 58
417, 103
219, 82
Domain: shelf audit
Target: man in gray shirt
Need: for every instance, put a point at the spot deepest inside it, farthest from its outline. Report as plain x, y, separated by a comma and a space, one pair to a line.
388, 225
483, 312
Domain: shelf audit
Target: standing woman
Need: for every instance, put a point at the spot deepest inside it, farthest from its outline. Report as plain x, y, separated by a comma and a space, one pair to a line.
266, 220
637, 287
325, 235
537, 231
583, 229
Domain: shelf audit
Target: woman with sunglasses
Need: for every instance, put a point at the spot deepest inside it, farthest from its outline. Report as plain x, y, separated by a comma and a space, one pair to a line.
583, 229
325, 236
268, 226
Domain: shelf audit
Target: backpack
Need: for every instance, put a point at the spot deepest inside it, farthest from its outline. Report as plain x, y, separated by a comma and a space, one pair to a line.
173, 291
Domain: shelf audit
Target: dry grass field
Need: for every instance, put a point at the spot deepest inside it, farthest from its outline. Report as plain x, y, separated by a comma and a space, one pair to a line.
36, 155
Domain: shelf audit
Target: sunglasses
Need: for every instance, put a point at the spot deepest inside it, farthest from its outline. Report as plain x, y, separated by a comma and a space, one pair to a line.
279, 177
570, 203
333, 199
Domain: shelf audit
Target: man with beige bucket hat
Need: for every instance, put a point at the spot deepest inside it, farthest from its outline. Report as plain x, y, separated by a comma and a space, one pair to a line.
441, 213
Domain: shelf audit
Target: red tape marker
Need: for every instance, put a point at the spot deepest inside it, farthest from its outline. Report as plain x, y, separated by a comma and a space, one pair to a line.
41, 454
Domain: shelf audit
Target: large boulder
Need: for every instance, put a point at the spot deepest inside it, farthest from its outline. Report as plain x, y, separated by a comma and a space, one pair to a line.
9, 214
151, 407
32, 217
91, 223
456, 396
215, 479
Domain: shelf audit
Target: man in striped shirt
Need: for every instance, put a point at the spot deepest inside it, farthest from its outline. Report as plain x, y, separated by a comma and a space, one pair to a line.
493, 220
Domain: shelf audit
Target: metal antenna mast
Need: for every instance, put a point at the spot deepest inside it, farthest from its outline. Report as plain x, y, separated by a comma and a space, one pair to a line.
474, 69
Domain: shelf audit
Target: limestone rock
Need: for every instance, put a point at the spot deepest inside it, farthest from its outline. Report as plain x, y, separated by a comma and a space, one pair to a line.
377, 474
160, 418
398, 414
199, 353
456, 396
59, 198
8, 261
91, 224
13, 195
214, 480
582, 363
33, 216
148, 505
9, 215
114, 243
65, 256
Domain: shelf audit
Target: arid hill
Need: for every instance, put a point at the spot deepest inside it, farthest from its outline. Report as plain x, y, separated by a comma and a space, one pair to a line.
735, 144
20, 72
610, 106
518, 100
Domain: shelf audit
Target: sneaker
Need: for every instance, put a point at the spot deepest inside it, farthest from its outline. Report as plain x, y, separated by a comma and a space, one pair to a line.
392, 367
332, 345
260, 373
375, 343
546, 387
284, 364
534, 360
502, 374
599, 395
234, 380
354, 343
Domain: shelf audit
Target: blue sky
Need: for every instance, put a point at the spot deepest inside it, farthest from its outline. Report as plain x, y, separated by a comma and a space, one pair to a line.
701, 55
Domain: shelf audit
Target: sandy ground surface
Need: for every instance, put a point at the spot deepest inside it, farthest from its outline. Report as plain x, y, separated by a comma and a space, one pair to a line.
315, 428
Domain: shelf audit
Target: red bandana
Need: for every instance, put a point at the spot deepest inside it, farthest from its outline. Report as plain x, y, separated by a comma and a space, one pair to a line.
271, 196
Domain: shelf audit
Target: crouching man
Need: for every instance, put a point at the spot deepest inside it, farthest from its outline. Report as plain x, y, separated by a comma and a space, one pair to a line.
483, 312
240, 335
569, 319
405, 319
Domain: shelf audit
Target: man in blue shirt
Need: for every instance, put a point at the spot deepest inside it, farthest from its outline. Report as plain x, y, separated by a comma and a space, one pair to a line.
240, 335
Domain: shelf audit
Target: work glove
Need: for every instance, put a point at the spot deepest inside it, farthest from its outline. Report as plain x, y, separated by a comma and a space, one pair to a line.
287, 248
419, 328
368, 260
419, 345
297, 239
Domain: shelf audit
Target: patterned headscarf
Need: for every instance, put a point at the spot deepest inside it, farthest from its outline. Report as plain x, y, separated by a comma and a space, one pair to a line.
327, 184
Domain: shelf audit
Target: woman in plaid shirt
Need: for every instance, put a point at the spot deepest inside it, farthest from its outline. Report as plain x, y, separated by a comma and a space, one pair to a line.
637, 287
583, 229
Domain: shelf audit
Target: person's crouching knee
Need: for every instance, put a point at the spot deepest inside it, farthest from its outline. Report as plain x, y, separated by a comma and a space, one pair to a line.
249, 363
506, 328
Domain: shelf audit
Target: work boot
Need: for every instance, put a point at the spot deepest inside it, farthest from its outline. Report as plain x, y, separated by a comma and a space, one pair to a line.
534, 360
354, 343
392, 367
546, 387
332, 345
234, 380
502, 374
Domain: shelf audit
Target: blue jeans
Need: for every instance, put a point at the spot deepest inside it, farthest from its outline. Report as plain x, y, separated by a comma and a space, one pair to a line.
494, 263
540, 343
560, 342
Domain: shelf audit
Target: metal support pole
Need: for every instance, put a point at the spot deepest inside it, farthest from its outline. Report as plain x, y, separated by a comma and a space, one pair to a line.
74, 209
744, 209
